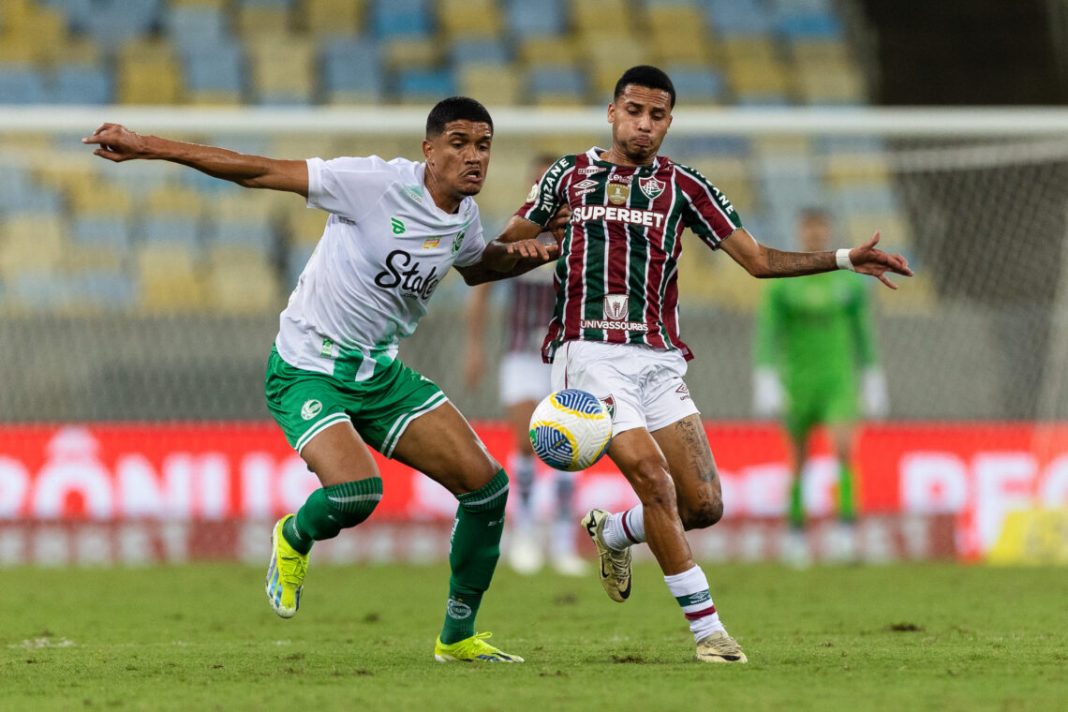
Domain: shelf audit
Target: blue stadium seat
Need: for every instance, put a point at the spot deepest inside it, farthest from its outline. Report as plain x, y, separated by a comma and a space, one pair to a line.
809, 26
696, 85
479, 51
738, 17
109, 289
526, 18
214, 67
351, 65
401, 18
20, 84
38, 200
425, 84
168, 229
197, 26
16, 187
556, 81
45, 291
113, 22
82, 84
101, 231
77, 12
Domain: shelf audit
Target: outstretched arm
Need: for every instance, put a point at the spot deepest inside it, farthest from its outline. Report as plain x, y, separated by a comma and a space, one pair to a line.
763, 261
117, 143
501, 260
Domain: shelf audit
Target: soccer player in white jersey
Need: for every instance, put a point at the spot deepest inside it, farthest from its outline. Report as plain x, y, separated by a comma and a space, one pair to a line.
615, 331
524, 381
334, 382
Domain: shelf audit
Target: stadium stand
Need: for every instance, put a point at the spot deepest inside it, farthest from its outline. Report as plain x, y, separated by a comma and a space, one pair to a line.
360, 52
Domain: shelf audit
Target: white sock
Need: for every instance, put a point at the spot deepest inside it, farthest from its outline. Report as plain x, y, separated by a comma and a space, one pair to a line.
625, 529
523, 472
690, 589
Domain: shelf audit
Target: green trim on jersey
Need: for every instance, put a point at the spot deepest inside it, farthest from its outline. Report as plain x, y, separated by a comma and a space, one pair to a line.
304, 403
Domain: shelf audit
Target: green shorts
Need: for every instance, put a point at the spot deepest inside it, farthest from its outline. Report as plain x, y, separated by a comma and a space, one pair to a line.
830, 403
304, 403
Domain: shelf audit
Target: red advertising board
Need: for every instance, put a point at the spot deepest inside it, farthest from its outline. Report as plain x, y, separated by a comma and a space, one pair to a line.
227, 473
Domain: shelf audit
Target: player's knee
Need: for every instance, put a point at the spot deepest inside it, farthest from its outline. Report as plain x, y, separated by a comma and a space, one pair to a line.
351, 503
652, 482
490, 497
702, 515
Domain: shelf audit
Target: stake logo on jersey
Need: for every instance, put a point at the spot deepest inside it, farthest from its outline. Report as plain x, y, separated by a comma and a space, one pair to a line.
624, 242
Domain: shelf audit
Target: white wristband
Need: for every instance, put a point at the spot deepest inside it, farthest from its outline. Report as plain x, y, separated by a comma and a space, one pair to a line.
842, 258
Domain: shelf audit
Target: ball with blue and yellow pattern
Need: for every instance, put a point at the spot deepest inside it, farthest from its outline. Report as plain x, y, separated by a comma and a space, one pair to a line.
570, 429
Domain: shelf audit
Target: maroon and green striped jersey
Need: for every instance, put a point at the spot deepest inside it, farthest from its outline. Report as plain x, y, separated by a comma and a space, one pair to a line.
616, 278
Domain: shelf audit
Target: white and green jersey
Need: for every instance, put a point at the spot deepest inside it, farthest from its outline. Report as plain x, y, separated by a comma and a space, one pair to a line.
386, 246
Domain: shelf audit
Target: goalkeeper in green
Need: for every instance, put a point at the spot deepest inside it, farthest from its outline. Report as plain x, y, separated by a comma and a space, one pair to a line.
814, 342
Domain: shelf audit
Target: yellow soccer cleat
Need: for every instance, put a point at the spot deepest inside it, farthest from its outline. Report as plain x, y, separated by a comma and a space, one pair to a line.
472, 650
614, 566
720, 648
285, 573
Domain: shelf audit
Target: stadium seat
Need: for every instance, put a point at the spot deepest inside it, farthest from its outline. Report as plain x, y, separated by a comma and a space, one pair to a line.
282, 71
469, 18
168, 279
82, 84
492, 85
738, 17
696, 85
148, 73
214, 72
478, 51
22, 84
16, 186
113, 23
351, 71
548, 52
420, 86
106, 232
99, 290
327, 18
536, 19
258, 19
556, 85
401, 18
240, 281
30, 243
197, 26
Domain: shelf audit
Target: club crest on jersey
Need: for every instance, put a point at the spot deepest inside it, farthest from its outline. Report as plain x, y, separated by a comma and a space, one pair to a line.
651, 186
310, 409
615, 307
397, 225
459, 240
610, 404
618, 194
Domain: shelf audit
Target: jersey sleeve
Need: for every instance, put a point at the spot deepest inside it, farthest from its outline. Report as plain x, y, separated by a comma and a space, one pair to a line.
768, 328
863, 325
473, 243
707, 210
348, 186
547, 195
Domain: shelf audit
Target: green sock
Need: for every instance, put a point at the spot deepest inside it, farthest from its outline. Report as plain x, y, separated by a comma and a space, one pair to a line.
329, 510
847, 506
476, 546
797, 507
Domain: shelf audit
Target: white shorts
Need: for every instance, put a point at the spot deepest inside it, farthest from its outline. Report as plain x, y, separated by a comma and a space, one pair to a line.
524, 377
643, 384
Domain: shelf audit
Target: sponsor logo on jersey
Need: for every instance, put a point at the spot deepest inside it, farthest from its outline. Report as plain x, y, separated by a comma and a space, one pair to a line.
591, 170
344, 221
404, 272
615, 307
547, 187
651, 186
458, 241
619, 178
683, 391
327, 349
608, 325
310, 409
431, 242
593, 213
618, 194
397, 225
584, 188
415, 192
532, 194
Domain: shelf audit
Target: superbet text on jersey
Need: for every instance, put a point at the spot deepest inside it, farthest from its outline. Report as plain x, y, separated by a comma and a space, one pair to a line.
618, 261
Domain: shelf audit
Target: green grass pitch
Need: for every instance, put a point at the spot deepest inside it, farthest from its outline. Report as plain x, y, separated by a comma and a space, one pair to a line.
202, 637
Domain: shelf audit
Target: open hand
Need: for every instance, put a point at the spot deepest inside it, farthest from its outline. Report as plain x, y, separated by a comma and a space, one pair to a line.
867, 259
116, 143
534, 249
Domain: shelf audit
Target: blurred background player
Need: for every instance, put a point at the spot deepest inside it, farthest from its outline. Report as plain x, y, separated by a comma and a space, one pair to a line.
524, 382
814, 337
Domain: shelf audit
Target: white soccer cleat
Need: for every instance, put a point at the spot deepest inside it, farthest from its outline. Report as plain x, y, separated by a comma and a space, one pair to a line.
720, 648
614, 568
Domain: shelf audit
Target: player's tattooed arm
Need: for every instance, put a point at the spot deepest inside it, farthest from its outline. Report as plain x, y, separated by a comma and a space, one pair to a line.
116, 143
762, 261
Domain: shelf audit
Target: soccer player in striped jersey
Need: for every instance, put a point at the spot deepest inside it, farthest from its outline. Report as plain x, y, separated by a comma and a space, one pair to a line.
334, 382
615, 331
814, 337
524, 381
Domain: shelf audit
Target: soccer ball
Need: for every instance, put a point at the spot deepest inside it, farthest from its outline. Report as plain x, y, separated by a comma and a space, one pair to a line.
570, 430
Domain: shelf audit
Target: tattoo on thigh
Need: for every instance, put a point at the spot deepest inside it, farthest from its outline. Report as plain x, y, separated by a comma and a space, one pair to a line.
697, 448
